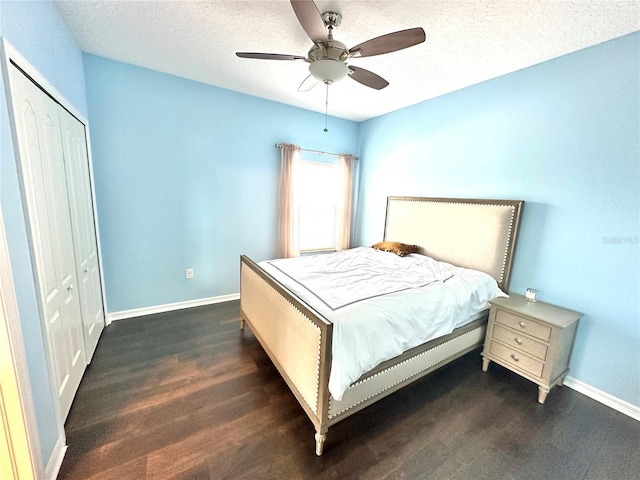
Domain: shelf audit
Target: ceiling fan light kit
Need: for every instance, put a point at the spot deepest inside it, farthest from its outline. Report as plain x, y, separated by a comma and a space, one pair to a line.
328, 57
328, 71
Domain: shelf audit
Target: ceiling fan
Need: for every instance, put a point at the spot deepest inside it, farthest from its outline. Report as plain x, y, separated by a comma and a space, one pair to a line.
328, 57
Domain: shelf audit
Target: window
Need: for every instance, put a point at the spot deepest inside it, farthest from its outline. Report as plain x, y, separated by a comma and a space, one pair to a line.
314, 207
316, 204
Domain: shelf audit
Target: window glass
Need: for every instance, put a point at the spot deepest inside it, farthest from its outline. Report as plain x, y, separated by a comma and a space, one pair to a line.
316, 205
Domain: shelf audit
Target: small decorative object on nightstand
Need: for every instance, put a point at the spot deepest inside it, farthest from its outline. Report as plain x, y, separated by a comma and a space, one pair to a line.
532, 339
531, 295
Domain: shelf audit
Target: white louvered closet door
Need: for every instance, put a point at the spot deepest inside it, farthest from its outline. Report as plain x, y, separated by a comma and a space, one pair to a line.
76, 162
49, 223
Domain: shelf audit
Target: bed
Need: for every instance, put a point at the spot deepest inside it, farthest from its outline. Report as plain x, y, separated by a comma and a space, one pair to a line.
298, 337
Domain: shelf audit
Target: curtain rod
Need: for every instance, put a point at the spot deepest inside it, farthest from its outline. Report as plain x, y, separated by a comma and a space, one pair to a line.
280, 145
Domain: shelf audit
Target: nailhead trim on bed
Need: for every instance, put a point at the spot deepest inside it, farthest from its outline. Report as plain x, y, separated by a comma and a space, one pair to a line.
313, 407
508, 244
331, 415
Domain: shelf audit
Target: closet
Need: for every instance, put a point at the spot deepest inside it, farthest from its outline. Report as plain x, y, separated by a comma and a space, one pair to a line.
57, 199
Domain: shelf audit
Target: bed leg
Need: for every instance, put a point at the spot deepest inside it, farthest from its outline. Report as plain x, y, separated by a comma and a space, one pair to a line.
242, 324
320, 438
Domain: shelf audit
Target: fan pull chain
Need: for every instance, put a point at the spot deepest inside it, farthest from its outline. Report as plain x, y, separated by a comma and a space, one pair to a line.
326, 108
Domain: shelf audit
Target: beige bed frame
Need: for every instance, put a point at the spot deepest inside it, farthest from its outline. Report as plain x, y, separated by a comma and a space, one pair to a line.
479, 234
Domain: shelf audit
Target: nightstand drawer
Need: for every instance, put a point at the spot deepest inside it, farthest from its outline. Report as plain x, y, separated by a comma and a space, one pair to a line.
518, 359
524, 325
520, 342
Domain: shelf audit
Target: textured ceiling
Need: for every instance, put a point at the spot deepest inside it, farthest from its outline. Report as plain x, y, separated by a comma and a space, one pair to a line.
468, 41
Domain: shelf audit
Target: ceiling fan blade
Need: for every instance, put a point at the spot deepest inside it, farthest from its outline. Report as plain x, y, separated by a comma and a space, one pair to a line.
311, 20
269, 56
367, 78
307, 84
390, 42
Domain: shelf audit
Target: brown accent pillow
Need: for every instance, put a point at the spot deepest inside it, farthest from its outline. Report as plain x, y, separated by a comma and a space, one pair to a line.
396, 247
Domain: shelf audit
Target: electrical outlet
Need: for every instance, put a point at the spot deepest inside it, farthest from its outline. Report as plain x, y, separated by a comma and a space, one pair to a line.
189, 273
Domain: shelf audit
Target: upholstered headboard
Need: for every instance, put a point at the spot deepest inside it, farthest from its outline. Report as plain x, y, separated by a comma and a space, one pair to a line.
478, 234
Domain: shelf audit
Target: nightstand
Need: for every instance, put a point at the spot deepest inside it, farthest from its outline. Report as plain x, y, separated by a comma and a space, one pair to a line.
532, 339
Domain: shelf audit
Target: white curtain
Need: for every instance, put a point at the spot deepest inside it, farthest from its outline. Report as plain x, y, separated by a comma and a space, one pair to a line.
287, 233
347, 165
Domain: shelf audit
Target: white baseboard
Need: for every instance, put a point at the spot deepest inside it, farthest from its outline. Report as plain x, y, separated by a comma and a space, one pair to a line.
55, 460
169, 307
606, 399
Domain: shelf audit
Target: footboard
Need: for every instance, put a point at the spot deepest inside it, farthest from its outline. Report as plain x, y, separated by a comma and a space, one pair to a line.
296, 338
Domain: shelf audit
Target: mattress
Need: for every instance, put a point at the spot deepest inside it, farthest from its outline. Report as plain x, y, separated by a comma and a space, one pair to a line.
381, 304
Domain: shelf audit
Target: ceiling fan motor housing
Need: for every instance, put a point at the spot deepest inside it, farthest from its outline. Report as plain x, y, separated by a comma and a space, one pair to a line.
327, 63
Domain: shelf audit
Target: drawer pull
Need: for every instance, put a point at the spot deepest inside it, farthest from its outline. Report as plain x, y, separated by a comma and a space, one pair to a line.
518, 340
515, 357
521, 324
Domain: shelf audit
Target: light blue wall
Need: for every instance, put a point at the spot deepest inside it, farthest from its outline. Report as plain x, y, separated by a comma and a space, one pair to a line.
186, 177
36, 30
565, 137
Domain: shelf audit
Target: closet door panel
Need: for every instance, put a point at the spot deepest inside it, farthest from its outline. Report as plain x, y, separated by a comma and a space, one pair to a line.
45, 192
50, 198
32, 169
84, 237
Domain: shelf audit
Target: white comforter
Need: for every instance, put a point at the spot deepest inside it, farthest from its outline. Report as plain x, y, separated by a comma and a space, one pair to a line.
381, 304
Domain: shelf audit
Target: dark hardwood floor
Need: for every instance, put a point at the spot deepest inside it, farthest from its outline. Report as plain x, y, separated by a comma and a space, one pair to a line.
187, 395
